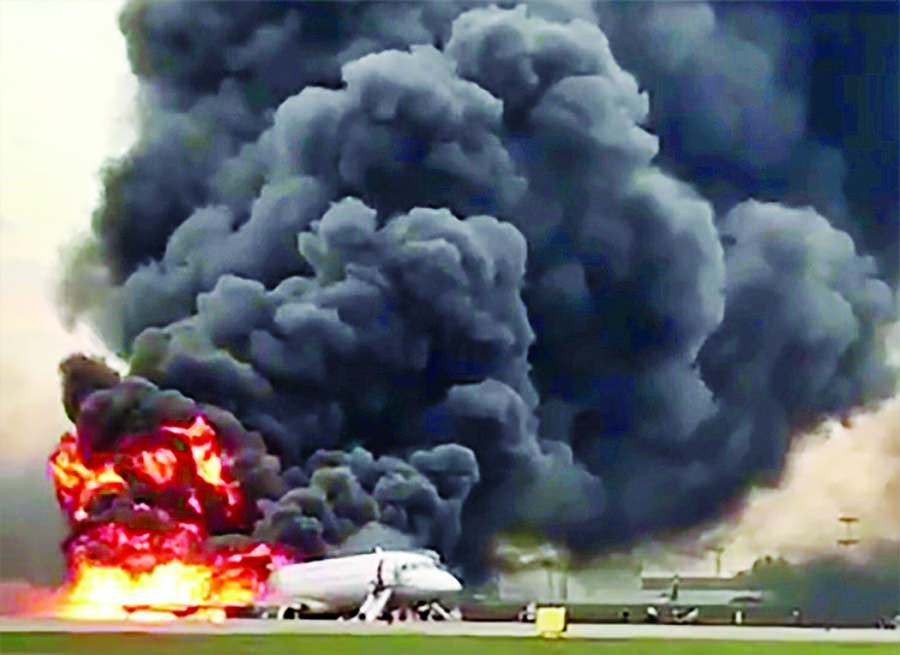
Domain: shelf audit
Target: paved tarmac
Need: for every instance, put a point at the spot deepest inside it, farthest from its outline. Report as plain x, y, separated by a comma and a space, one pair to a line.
457, 628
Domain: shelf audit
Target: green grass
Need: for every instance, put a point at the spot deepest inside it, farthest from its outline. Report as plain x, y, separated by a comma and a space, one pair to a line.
136, 644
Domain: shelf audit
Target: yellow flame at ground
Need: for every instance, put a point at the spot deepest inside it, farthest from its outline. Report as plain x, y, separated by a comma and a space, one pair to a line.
120, 571
150, 616
101, 592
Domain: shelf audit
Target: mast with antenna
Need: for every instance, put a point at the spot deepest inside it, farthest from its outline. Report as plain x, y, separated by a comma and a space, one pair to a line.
848, 539
718, 550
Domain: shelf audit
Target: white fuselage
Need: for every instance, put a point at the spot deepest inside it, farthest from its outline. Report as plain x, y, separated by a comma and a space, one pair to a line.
342, 584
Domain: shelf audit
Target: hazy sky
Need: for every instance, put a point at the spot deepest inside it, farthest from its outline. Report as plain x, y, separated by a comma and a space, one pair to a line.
66, 103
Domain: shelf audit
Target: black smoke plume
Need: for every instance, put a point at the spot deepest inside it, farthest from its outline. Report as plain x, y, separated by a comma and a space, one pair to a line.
794, 102
443, 269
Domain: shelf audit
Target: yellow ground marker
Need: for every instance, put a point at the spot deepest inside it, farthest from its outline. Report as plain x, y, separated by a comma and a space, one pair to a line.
550, 621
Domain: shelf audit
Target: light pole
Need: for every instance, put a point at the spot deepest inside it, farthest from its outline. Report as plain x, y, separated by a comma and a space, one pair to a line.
849, 539
718, 550
846, 542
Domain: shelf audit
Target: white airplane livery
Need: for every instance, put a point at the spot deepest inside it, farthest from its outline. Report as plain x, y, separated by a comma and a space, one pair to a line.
364, 585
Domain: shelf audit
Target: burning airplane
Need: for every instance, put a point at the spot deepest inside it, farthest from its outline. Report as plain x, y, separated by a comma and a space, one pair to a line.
496, 270
142, 514
140, 519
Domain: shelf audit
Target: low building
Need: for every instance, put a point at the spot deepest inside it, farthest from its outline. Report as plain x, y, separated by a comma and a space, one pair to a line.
619, 581
618, 577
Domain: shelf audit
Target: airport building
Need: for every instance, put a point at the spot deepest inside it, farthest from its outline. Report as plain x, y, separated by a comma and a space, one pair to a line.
618, 577
618, 580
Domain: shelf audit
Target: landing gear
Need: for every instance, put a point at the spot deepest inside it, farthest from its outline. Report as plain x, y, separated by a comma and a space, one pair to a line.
421, 612
434, 611
290, 613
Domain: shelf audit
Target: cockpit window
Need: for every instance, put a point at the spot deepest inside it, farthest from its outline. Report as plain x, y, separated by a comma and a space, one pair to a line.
421, 565
417, 566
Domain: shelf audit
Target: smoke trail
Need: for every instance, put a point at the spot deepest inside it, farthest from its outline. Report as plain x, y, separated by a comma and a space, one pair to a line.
426, 268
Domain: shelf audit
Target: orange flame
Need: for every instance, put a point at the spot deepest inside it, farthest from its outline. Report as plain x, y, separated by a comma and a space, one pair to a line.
75, 483
207, 458
144, 559
159, 464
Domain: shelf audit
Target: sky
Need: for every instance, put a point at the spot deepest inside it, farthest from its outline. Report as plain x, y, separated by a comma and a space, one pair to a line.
67, 106
66, 109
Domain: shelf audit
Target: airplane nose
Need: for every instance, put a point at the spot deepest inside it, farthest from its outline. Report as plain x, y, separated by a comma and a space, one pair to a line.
449, 584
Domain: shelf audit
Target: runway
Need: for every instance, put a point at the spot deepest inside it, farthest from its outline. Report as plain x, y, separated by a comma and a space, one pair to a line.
461, 628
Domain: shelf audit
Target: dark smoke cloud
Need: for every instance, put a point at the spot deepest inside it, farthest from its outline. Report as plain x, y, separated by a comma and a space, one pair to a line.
81, 377
794, 102
341, 497
431, 272
134, 406
211, 74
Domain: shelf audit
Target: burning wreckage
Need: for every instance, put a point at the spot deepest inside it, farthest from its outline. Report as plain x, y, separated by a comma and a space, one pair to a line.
141, 517
166, 503
148, 512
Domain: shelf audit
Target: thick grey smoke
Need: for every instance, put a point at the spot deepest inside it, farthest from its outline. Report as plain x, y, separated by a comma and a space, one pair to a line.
427, 268
795, 102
